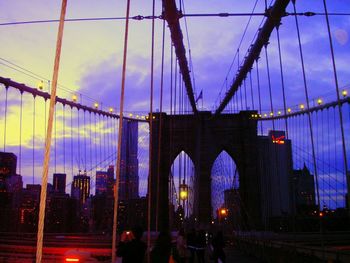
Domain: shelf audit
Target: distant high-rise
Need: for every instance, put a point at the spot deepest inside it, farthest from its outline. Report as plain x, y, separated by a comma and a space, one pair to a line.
81, 188
101, 182
129, 178
8, 162
105, 182
110, 181
303, 190
59, 183
275, 155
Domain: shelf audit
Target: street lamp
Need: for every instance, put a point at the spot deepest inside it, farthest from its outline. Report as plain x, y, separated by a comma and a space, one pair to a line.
41, 85
183, 191
183, 194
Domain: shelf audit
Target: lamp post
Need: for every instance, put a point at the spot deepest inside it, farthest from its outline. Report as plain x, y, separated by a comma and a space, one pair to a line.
183, 193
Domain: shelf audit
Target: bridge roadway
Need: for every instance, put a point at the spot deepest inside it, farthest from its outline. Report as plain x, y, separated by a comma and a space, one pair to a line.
271, 247
20, 248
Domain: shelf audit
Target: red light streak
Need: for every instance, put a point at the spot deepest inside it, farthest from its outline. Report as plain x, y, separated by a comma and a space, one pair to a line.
72, 259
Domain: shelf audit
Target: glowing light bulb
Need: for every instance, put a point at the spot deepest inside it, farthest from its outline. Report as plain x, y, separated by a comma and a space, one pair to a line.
319, 101
41, 85
96, 105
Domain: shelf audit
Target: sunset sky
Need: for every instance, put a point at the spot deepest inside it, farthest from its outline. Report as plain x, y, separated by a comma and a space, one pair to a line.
91, 57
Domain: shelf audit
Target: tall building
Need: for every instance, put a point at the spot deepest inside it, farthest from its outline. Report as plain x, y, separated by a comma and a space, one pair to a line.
105, 182
81, 188
101, 183
59, 183
129, 178
8, 162
276, 166
303, 191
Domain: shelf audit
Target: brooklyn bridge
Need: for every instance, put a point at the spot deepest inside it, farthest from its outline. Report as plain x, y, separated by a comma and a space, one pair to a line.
179, 119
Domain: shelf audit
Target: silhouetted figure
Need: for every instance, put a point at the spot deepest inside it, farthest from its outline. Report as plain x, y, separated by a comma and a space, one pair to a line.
201, 246
218, 245
162, 249
131, 249
191, 244
181, 246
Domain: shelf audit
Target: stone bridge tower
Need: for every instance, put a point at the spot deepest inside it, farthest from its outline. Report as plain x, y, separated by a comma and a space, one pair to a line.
203, 137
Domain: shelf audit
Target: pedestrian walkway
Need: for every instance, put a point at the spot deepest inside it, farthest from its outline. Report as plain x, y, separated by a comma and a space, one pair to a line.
233, 255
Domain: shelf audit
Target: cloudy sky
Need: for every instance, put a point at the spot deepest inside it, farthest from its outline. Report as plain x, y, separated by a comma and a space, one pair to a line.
91, 57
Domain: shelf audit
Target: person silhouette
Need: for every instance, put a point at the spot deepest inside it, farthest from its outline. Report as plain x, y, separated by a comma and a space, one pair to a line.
162, 250
218, 244
131, 248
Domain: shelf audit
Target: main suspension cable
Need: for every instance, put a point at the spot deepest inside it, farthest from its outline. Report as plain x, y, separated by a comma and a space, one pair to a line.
121, 109
49, 136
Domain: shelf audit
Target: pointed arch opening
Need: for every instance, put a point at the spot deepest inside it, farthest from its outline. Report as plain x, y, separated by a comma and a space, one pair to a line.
224, 188
181, 192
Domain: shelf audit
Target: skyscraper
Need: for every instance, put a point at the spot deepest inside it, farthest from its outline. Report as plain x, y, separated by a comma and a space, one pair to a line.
303, 190
59, 183
81, 188
8, 162
101, 183
275, 156
129, 178
105, 182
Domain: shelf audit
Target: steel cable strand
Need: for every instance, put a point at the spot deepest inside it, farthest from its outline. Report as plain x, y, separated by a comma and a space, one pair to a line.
116, 188
49, 135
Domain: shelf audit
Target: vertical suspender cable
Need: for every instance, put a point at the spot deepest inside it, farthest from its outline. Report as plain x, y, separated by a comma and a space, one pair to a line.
245, 94
101, 159
85, 139
160, 123
282, 80
33, 146
49, 135
269, 82
104, 138
55, 146
121, 109
71, 140
20, 135
338, 99
5, 120
308, 106
45, 117
251, 89
90, 150
79, 138
150, 142
259, 94
64, 138
95, 135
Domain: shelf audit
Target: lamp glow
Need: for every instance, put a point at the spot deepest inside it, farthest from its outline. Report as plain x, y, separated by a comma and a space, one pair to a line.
289, 110
96, 105
74, 98
319, 101
344, 93
41, 85
111, 110
183, 191
302, 106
